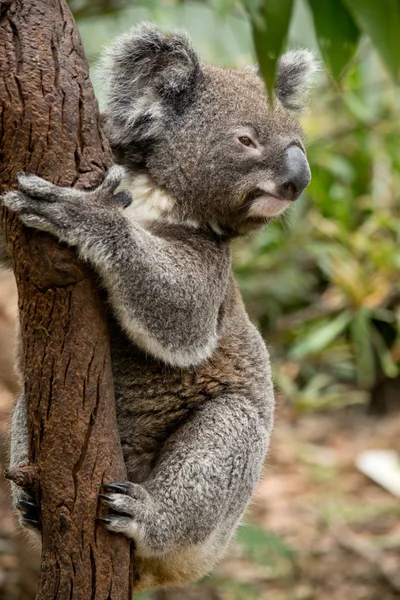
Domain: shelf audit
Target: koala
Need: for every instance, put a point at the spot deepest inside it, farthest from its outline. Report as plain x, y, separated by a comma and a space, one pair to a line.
204, 158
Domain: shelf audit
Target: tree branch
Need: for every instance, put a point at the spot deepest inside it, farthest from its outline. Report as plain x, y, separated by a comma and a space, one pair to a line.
49, 126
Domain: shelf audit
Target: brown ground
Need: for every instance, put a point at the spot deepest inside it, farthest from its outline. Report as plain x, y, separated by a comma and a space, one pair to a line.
344, 529
336, 535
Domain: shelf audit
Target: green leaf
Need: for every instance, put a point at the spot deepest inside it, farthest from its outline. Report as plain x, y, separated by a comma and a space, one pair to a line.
361, 337
263, 547
388, 365
337, 33
270, 21
321, 336
380, 20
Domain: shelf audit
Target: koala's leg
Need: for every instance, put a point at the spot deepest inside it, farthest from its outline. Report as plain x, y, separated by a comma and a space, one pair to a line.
23, 502
183, 516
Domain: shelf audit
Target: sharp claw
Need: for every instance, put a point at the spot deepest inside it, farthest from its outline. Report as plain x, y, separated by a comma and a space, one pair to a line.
104, 520
105, 497
30, 509
122, 488
32, 521
27, 504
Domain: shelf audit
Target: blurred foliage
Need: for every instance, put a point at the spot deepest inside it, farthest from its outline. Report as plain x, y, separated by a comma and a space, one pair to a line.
263, 547
268, 554
338, 26
322, 284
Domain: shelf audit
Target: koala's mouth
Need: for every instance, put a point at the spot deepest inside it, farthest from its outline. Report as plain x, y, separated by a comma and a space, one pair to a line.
254, 194
264, 205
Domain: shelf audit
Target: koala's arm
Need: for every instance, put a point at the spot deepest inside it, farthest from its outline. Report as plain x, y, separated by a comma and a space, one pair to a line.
166, 294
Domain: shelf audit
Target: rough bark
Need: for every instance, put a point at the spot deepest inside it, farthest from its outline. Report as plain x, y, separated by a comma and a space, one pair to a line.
49, 126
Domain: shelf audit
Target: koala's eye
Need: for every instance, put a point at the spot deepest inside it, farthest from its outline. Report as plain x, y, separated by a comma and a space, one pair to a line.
246, 141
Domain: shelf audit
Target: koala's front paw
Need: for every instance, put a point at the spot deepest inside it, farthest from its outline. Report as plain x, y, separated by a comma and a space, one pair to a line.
44, 206
131, 507
28, 510
62, 211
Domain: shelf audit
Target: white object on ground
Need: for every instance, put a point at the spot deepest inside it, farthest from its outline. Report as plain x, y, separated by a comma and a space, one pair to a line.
383, 467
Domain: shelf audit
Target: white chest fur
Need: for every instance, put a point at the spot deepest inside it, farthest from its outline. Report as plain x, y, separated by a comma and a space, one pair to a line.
150, 202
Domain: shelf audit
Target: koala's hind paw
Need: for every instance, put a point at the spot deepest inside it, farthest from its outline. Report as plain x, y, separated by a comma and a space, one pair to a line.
29, 512
130, 504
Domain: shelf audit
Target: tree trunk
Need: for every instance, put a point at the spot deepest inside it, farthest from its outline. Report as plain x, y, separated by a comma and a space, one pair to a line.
50, 127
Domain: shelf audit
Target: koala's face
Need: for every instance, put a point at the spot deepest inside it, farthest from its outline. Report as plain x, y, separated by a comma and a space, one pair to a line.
207, 135
228, 157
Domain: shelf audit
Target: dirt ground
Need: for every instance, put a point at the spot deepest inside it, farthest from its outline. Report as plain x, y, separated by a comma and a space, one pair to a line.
329, 532
344, 529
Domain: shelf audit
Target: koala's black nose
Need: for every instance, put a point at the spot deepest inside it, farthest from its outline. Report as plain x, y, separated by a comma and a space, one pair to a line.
297, 175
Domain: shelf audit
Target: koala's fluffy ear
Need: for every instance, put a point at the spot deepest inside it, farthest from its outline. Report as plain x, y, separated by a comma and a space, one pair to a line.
146, 73
294, 77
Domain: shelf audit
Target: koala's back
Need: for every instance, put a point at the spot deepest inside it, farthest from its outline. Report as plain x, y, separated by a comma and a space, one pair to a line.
154, 400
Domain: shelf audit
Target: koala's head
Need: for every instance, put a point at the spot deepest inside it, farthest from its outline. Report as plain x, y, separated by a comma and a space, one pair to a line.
207, 135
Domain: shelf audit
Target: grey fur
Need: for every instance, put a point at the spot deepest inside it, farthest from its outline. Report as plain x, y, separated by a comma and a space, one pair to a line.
192, 377
18, 458
294, 78
140, 72
19, 445
296, 70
